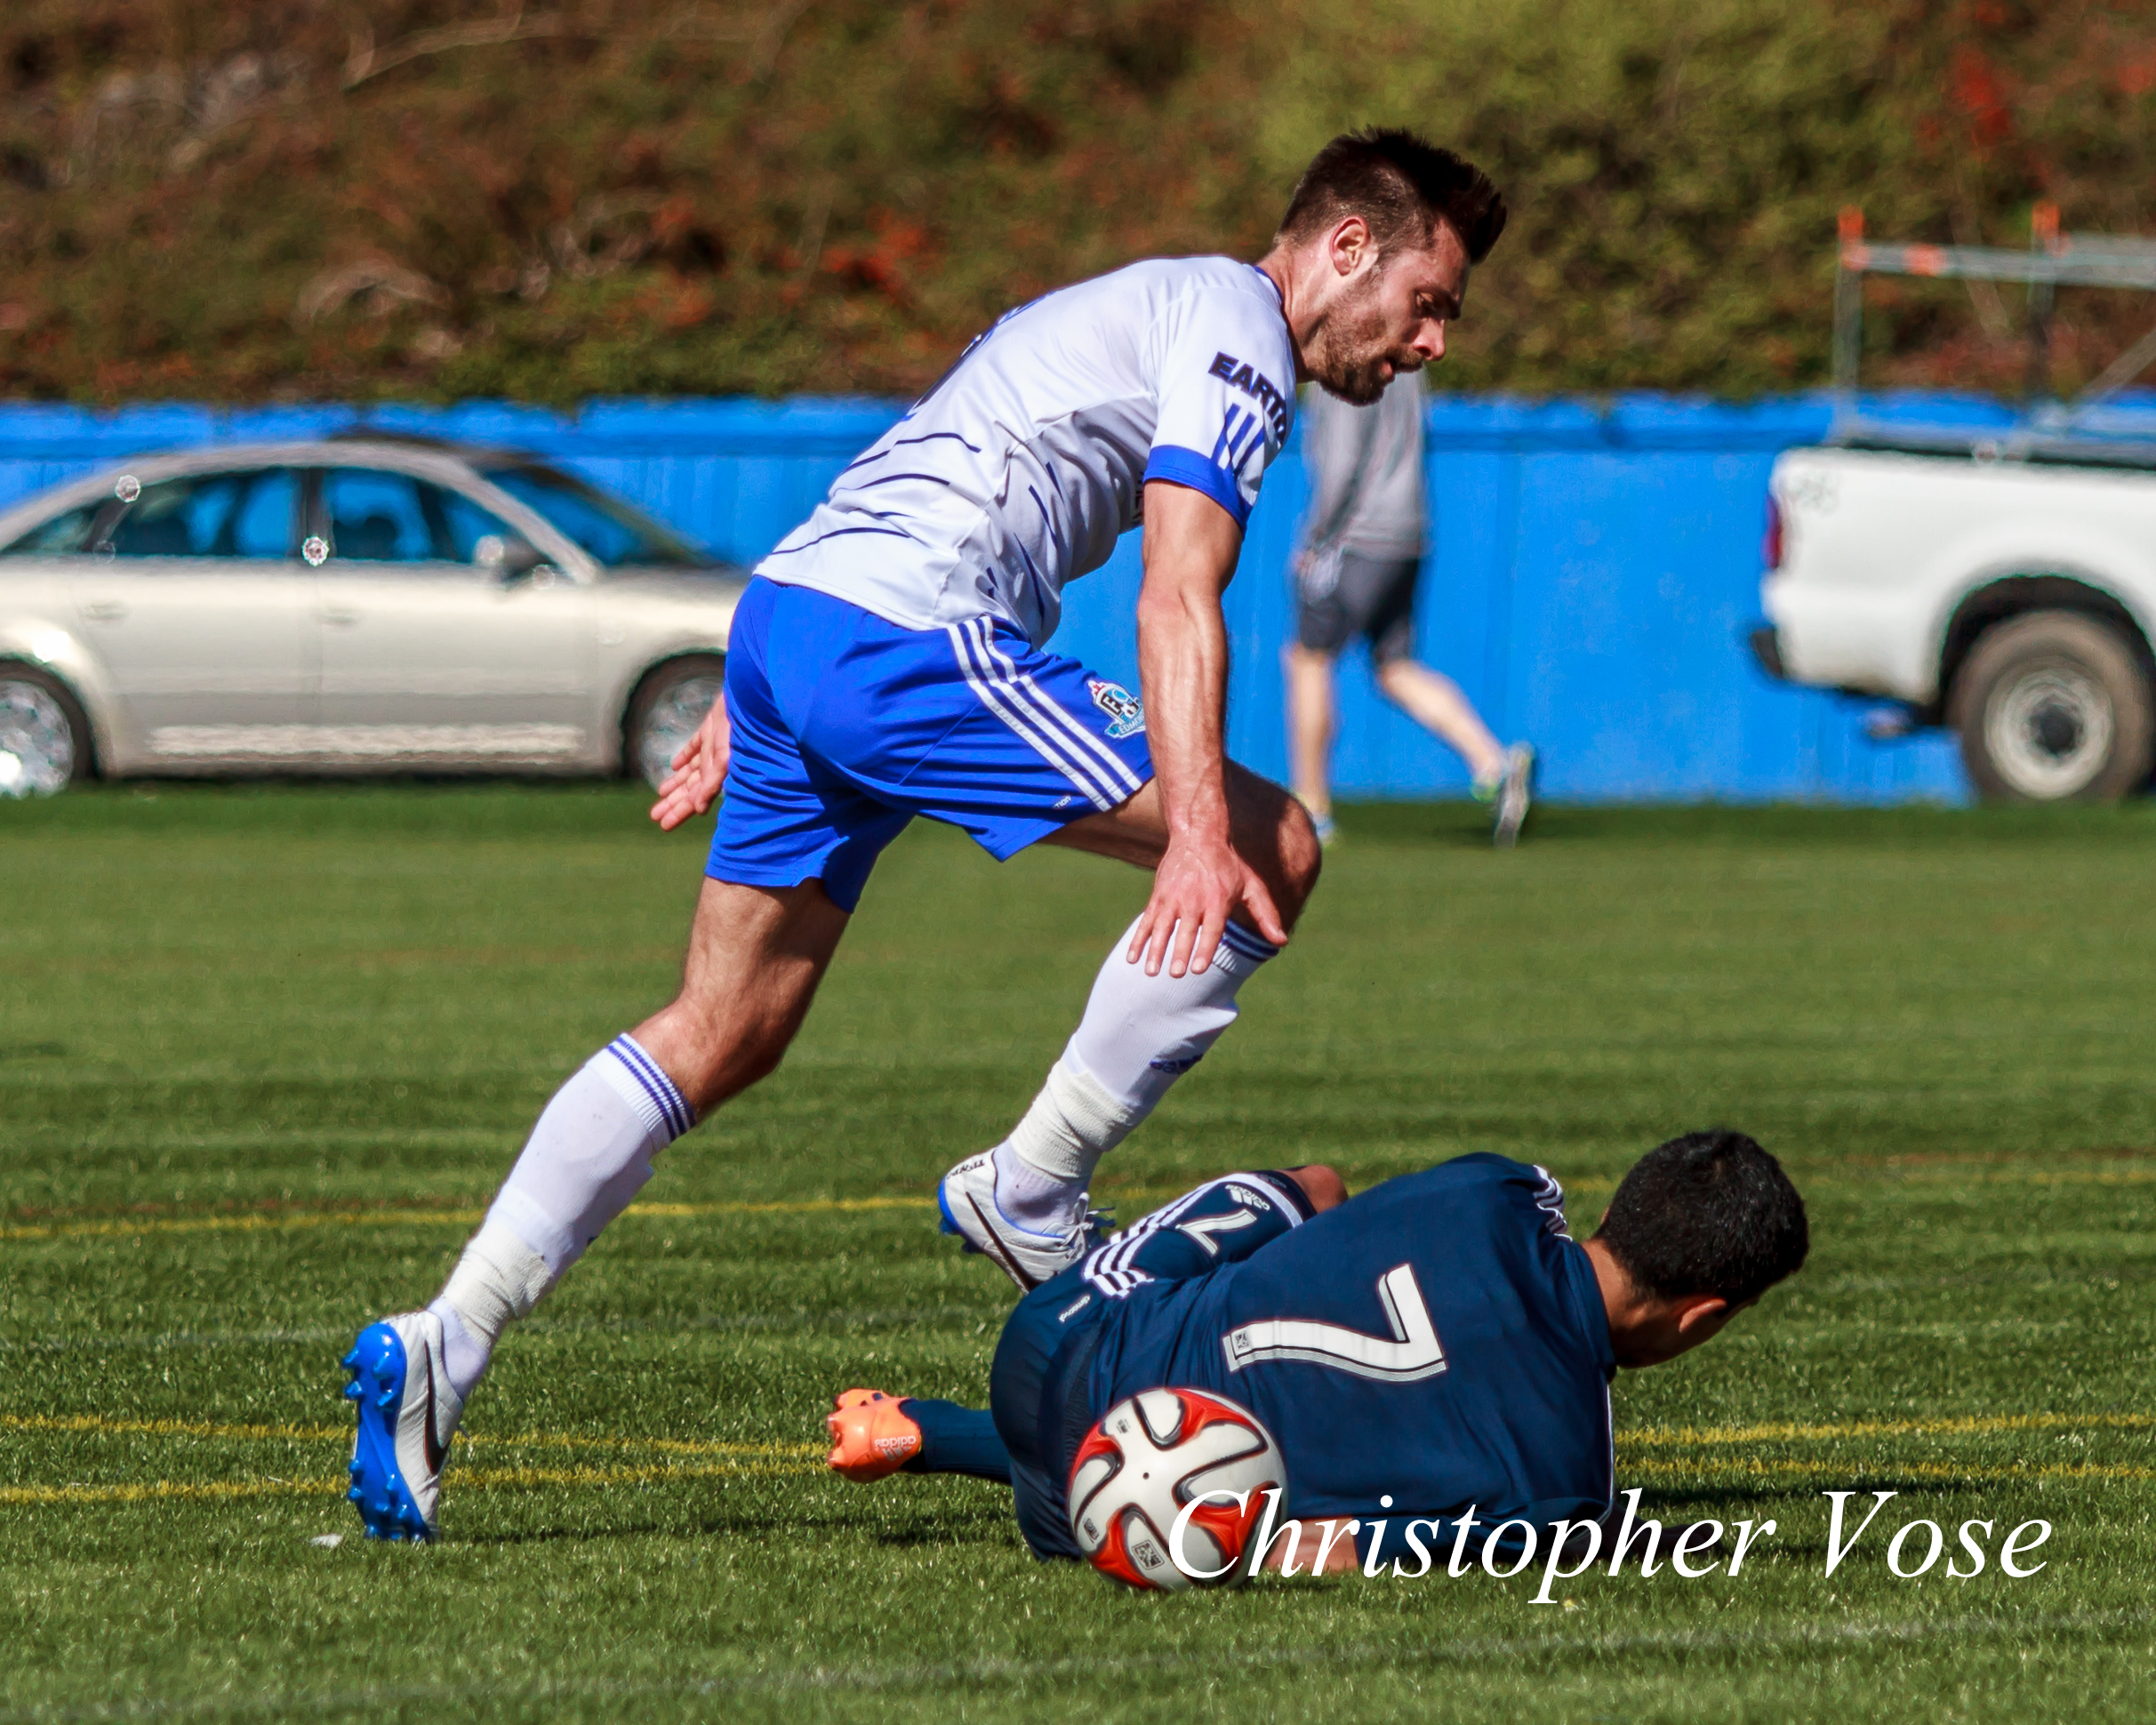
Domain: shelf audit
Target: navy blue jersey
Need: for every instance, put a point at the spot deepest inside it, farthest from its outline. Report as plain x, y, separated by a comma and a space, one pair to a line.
1439, 1340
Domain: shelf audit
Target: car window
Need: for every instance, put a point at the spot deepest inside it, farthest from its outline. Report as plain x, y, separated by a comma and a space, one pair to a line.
392, 517
376, 518
247, 514
64, 534
464, 524
220, 515
261, 524
613, 532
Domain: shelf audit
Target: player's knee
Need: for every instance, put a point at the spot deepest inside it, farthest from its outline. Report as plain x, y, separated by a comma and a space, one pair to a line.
1301, 856
1322, 1185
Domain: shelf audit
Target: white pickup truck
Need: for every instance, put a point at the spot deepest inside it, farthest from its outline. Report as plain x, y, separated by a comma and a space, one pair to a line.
2001, 584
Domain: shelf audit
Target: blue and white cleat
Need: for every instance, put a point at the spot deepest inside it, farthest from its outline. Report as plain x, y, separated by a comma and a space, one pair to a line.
408, 1412
967, 1200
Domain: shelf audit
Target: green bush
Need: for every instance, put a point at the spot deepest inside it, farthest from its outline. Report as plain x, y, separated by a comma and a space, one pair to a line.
249, 199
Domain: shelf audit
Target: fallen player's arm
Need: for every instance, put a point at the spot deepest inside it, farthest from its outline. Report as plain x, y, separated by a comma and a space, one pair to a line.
1191, 544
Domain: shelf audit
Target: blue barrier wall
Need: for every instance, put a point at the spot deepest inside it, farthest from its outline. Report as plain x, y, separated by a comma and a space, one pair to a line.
1592, 570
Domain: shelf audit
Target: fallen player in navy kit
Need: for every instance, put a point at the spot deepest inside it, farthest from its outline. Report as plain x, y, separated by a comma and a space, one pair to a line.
1435, 1349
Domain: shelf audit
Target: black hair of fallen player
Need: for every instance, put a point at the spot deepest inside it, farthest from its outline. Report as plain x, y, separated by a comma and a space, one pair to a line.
1709, 1213
1401, 185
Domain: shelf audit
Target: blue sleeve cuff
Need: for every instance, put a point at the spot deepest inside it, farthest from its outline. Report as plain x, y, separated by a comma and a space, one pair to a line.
1186, 467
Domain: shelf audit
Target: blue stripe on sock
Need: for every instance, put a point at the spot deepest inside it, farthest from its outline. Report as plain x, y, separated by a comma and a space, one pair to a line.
1250, 945
672, 1109
678, 1112
658, 1098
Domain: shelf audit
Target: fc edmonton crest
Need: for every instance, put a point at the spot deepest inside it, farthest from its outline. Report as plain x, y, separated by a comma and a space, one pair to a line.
1125, 712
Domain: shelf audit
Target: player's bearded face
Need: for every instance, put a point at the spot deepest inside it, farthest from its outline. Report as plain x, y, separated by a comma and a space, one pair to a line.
1361, 347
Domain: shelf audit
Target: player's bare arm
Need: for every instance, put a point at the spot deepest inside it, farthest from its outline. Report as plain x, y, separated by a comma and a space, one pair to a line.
1190, 548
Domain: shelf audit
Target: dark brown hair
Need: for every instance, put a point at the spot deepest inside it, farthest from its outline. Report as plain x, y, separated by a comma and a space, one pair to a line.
1709, 1213
1402, 186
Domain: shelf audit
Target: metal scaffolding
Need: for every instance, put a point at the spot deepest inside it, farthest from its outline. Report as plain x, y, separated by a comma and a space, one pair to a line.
2051, 261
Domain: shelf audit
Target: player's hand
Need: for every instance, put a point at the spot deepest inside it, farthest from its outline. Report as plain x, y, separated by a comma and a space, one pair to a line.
700, 769
1198, 885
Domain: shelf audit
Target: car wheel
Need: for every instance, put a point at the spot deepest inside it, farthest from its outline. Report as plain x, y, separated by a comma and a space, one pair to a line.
2055, 706
44, 738
665, 711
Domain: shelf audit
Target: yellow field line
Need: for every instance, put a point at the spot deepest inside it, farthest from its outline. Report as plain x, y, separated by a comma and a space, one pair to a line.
495, 1479
477, 1479
180, 1428
196, 1224
1687, 1436
1753, 1468
108, 1226
1648, 1438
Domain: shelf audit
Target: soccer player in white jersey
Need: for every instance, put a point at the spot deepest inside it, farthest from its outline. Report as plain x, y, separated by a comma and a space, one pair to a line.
888, 660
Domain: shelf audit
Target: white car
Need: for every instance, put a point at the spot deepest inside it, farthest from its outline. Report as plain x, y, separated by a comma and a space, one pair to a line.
2004, 585
360, 604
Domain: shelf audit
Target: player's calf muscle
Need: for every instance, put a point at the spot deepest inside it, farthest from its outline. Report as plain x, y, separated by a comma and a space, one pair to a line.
755, 958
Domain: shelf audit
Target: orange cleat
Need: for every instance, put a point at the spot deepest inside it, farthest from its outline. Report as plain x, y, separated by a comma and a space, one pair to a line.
871, 1437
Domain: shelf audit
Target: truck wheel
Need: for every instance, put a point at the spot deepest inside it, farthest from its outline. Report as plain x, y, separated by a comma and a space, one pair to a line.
44, 738
2055, 706
665, 711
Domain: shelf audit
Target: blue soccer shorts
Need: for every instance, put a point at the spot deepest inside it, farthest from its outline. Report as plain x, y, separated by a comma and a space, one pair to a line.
846, 726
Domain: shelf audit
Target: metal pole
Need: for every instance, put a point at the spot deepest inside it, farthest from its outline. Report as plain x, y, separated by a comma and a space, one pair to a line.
2043, 238
1849, 262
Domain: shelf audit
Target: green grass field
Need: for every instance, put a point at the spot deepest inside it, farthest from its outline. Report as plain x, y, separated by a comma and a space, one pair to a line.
264, 1054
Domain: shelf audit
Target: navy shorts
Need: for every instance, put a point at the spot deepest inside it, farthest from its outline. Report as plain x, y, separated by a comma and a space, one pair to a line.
1037, 1388
846, 726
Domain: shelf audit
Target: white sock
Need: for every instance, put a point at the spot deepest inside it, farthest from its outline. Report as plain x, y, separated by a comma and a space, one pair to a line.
586, 1157
1139, 1035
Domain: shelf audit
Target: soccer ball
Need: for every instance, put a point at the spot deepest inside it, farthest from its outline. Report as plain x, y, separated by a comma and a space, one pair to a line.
1149, 1456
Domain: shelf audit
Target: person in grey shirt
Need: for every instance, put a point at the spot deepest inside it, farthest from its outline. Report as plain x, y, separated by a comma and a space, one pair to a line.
1361, 550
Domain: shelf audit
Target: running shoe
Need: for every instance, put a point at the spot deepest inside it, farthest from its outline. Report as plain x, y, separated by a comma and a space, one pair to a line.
967, 1200
408, 1412
1515, 794
871, 1437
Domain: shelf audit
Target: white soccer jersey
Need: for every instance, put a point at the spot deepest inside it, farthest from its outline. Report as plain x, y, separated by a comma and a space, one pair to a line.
1019, 471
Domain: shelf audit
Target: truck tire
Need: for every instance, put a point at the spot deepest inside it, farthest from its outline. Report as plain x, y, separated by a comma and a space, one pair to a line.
669, 704
2052, 707
45, 744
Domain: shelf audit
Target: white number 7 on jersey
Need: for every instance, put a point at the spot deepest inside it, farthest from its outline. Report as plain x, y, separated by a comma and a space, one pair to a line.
1412, 1350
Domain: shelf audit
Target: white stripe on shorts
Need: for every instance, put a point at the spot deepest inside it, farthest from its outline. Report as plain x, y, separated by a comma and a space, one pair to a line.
1021, 684
1018, 713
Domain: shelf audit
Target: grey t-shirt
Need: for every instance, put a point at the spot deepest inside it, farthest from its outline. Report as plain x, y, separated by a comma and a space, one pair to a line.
1366, 472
